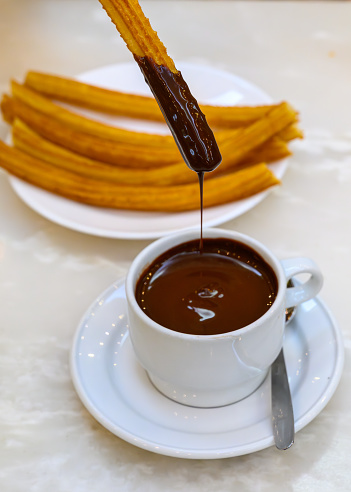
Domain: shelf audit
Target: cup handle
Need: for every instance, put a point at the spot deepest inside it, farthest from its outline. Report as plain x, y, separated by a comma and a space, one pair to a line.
307, 290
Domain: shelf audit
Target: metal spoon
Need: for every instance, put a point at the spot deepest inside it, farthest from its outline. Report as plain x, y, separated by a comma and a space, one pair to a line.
282, 409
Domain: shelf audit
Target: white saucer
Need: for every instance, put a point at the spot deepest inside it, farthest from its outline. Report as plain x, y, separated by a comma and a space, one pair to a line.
117, 392
209, 85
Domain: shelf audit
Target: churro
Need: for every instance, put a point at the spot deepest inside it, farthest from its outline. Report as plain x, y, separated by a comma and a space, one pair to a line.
235, 147
104, 100
250, 137
92, 146
220, 190
87, 125
33, 144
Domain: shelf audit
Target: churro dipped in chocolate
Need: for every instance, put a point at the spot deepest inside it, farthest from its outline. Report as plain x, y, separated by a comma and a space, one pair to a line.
180, 109
85, 159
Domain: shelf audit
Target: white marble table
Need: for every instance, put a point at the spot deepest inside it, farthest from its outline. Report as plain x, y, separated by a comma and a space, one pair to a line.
49, 275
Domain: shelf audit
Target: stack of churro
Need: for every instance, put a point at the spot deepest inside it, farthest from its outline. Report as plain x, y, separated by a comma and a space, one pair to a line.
79, 157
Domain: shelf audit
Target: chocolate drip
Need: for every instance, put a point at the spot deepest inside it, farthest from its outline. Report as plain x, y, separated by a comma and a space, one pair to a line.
201, 183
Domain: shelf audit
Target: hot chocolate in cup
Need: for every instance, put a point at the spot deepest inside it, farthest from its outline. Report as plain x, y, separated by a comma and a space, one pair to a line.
207, 324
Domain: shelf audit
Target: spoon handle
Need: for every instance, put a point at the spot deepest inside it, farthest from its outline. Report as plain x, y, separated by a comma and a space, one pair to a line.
282, 410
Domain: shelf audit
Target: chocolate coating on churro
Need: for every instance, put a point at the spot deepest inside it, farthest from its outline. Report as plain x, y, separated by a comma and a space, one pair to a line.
186, 121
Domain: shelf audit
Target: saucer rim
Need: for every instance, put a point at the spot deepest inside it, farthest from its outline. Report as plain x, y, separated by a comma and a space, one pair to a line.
203, 453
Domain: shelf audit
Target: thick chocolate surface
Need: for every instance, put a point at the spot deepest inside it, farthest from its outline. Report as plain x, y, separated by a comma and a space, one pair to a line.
218, 289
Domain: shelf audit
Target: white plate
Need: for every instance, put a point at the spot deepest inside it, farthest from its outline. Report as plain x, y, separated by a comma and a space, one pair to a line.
208, 85
116, 391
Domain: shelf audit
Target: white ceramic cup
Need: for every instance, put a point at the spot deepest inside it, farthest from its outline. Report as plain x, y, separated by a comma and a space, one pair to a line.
215, 370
